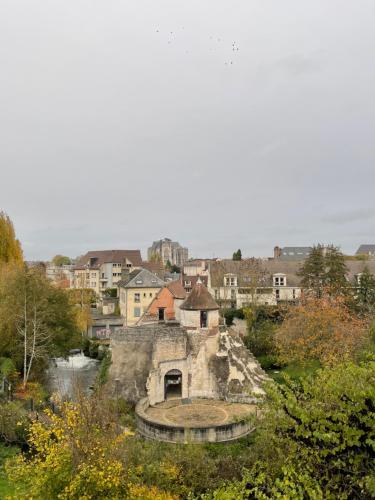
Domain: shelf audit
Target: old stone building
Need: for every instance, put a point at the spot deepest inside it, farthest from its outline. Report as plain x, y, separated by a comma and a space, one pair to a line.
169, 251
166, 305
196, 359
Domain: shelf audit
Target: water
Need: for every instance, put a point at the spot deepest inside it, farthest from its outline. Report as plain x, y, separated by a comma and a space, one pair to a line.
66, 374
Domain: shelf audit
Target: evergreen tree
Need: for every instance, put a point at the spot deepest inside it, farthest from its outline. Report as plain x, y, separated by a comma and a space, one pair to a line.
237, 255
10, 247
335, 271
365, 296
324, 269
312, 271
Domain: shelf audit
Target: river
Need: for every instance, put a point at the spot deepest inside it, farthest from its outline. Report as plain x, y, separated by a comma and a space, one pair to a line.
75, 371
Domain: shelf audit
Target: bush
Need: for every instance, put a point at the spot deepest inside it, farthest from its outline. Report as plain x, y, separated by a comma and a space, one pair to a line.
14, 423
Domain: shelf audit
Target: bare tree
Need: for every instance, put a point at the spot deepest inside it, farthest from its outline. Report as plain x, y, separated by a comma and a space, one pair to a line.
34, 335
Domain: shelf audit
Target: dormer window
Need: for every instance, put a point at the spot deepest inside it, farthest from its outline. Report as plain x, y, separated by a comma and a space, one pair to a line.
279, 280
230, 280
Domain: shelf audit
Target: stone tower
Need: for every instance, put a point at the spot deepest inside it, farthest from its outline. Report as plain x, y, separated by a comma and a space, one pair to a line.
199, 310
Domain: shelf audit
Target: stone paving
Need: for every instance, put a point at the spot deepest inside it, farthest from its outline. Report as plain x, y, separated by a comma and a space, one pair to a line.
198, 413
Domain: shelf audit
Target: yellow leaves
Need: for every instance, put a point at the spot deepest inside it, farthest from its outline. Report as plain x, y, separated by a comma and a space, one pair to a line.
145, 493
320, 329
170, 470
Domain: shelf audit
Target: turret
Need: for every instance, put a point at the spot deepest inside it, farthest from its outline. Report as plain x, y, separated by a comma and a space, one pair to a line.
199, 310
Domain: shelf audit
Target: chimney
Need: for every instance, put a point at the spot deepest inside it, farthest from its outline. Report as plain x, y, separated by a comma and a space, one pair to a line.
276, 252
125, 271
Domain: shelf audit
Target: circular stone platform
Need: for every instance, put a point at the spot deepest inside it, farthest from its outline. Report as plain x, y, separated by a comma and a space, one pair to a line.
198, 420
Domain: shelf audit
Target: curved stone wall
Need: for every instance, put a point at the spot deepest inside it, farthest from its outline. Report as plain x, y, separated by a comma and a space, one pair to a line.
152, 429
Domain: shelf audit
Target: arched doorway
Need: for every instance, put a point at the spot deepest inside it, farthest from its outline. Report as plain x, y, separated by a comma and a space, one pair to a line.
173, 384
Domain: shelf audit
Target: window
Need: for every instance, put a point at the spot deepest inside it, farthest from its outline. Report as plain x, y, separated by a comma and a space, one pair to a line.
137, 297
150, 294
277, 293
230, 281
233, 294
187, 283
294, 294
139, 282
217, 294
145, 295
279, 280
93, 275
137, 312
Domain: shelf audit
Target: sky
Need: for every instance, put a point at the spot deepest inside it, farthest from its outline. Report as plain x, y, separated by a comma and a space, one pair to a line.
219, 124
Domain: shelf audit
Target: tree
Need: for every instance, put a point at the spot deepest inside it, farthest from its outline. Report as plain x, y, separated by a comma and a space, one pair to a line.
10, 247
61, 260
79, 454
237, 255
313, 270
335, 271
320, 329
324, 271
316, 439
365, 291
36, 320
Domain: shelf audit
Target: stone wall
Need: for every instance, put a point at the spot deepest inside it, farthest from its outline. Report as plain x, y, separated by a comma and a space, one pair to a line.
194, 435
213, 365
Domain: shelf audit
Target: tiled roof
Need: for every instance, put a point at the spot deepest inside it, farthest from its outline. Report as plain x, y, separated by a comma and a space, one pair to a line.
176, 289
199, 299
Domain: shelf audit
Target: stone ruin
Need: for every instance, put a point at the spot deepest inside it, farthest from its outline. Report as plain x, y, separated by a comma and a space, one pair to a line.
194, 359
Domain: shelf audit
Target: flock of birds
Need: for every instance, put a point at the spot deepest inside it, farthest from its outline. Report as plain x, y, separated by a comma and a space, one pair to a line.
216, 40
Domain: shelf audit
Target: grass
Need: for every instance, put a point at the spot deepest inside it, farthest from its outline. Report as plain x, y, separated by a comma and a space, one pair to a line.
6, 487
295, 371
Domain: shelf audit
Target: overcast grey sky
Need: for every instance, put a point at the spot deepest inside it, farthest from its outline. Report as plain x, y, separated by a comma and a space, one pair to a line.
125, 121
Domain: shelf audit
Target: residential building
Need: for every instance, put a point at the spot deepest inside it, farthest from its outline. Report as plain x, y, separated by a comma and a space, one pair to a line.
102, 269
196, 267
62, 276
368, 250
166, 305
189, 282
291, 253
137, 290
169, 251
237, 284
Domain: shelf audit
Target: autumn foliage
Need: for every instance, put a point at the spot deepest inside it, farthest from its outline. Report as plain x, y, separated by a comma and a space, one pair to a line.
78, 454
322, 329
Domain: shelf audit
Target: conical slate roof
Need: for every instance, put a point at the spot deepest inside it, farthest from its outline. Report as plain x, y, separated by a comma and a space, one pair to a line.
199, 299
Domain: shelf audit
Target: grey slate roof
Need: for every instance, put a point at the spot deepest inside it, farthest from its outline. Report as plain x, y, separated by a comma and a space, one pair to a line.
261, 271
141, 278
366, 249
256, 272
295, 253
99, 257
